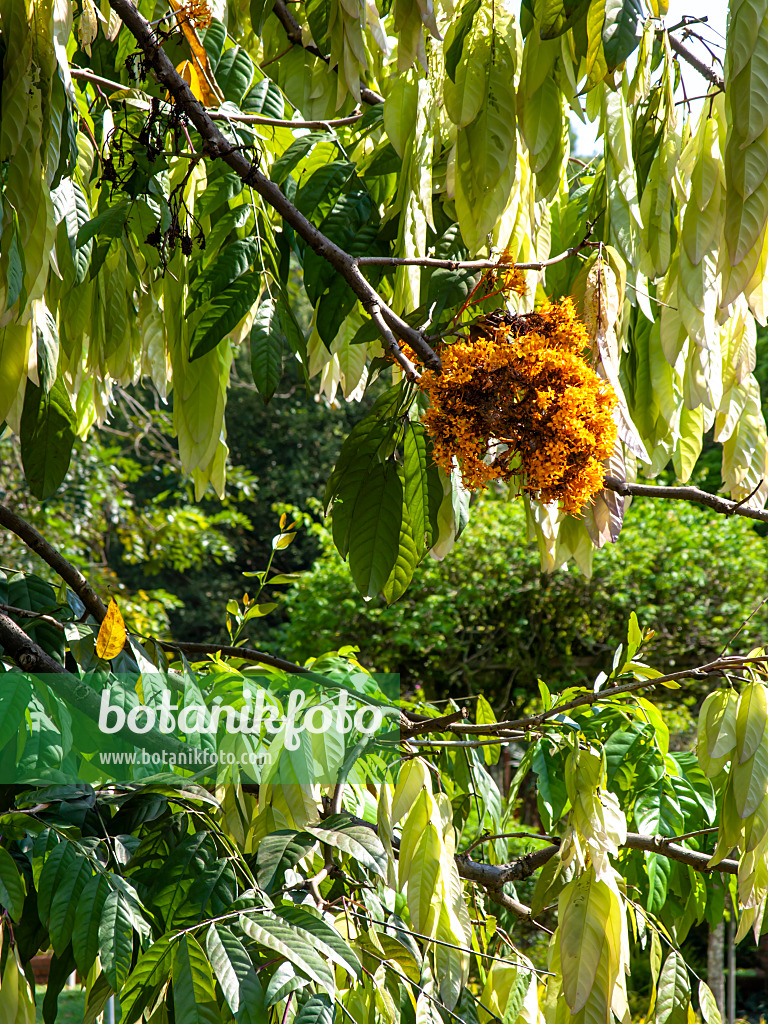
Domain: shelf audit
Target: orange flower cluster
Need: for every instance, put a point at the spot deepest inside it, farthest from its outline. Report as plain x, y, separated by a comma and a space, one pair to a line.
518, 400
197, 12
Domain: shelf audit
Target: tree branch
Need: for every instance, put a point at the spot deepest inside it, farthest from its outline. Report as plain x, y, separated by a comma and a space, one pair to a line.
431, 261
296, 36
503, 730
338, 122
217, 146
725, 506
71, 576
704, 70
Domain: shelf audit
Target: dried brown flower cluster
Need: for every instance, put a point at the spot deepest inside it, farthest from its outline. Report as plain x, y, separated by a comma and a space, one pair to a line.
521, 382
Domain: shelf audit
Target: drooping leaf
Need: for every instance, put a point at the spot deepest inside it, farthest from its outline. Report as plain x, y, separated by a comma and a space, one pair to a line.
194, 994
47, 434
267, 339
224, 311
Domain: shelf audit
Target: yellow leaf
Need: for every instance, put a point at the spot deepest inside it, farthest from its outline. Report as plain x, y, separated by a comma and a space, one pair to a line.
210, 94
190, 74
112, 637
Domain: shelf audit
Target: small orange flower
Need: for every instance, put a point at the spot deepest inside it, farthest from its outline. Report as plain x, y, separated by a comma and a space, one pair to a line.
197, 12
517, 401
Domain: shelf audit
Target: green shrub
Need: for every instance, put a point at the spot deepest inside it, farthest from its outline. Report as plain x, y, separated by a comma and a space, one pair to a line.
486, 620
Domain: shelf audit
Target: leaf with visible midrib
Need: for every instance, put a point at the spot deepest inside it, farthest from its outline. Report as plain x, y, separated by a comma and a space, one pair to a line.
224, 312
267, 349
194, 994
47, 433
289, 942
375, 528
11, 886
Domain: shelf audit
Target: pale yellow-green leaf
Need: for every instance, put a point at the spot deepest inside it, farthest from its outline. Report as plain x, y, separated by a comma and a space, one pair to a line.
422, 875
585, 905
412, 779
750, 720
597, 66
720, 721
750, 779
689, 442
400, 111
464, 97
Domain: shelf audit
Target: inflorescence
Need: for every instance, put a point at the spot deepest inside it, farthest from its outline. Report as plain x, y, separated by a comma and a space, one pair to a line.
518, 402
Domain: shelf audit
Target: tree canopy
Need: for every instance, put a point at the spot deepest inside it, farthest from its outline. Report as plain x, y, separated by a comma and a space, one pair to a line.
378, 196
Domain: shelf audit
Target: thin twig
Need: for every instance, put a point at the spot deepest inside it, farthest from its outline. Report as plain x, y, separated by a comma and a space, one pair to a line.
706, 72
725, 506
25, 613
338, 122
295, 35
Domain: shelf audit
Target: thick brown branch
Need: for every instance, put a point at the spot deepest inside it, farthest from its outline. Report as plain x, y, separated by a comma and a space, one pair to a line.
71, 576
723, 505
217, 146
421, 724
296, 36
704, 70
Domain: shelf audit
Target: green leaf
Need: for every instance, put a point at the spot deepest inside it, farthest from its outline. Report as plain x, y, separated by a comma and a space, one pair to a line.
65, 902
11, 886
375, 528
17, 267
236, 975
622, 30
15, 694
284, 981
295, 153
457, 33
224, 312
58, 864
659, 869
152, 970
674, 994
260, 11
213, 40
318, 15
708, 1004
228, 265
279, 851
267, 338
85, 932
194, 994
318, 1009
108, 224
234, 73
316, 196
556, 16
265, 98
423, 489
116, 939
323, 937
48, 428
292, 943
657, 811
407, 559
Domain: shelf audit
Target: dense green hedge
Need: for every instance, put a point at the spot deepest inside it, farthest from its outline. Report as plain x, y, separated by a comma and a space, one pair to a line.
486, 620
